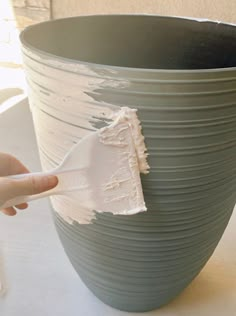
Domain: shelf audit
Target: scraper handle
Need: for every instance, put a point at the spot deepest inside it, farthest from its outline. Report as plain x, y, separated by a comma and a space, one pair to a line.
27, 198
64, 185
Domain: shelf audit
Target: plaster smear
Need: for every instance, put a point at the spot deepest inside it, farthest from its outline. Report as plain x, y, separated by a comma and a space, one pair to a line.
65, 109
116, 161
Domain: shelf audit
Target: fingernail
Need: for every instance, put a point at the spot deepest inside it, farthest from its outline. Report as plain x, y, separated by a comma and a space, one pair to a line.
52, 181
9, 212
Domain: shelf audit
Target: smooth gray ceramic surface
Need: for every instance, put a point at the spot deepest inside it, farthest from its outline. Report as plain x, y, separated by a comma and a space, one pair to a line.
180, 74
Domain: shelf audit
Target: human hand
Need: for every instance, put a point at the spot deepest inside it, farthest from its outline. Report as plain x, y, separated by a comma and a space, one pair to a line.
11, 188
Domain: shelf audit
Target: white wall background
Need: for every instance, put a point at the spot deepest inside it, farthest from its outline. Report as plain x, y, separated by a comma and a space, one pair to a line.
223, 10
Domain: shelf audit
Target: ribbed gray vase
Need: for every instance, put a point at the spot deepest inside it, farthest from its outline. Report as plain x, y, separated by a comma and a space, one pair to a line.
181, 76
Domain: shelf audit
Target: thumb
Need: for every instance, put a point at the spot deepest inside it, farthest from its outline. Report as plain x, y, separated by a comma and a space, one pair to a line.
32, 184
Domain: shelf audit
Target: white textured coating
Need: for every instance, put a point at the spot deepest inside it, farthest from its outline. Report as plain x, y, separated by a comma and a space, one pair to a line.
129, 117
63, 99
109, 162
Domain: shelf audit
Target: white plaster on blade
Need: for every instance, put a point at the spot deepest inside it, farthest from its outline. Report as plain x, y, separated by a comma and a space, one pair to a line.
119, 188
130, 118
127, 119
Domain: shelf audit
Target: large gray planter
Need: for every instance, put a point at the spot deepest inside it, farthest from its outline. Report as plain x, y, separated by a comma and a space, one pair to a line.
181, 76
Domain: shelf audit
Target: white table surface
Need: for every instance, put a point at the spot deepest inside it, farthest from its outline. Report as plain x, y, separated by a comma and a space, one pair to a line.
38, 279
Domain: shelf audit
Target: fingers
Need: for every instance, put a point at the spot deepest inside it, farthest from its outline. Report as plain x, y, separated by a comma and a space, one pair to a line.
33, 184
16, 167
10, 211
28, 185
11, 165
22, 206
